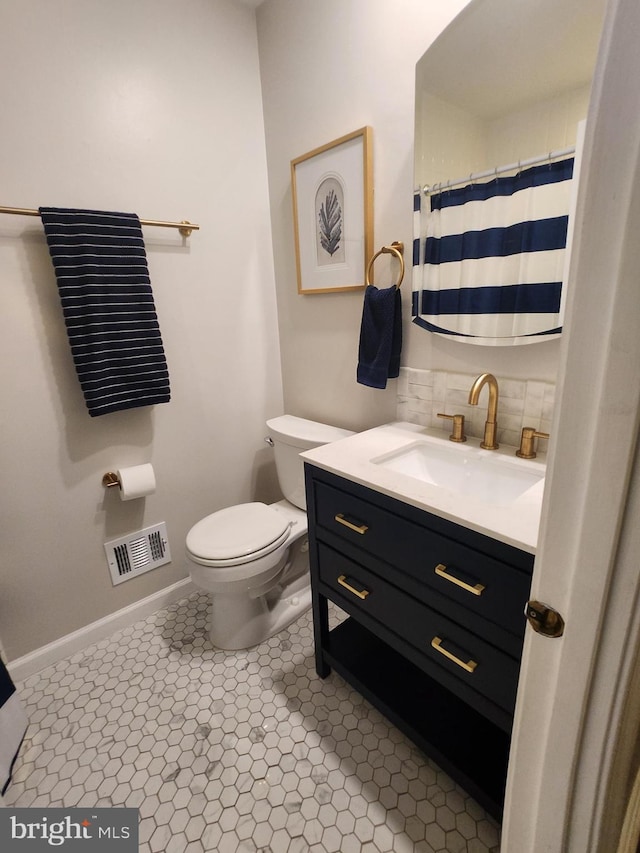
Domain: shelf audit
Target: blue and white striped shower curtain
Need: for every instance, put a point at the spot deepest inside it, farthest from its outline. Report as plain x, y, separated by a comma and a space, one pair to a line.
489, 258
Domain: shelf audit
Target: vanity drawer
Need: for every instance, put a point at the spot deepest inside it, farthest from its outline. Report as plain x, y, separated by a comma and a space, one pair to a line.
441, 642
493, 589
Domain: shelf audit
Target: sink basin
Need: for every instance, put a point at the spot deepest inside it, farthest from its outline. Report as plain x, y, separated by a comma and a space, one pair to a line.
481, 474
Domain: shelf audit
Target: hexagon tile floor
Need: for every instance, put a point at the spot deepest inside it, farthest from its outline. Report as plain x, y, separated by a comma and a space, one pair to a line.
233, 752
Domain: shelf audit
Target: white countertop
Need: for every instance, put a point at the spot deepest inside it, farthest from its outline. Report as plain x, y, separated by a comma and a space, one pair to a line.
515, 523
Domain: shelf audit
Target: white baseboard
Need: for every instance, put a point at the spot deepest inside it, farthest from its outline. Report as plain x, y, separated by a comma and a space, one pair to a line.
37, 660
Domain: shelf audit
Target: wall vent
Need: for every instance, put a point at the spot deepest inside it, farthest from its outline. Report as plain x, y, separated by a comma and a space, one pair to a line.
137, 553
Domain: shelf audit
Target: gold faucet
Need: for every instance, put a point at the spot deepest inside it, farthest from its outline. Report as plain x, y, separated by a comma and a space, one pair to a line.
491, 424
529, 434
457, 433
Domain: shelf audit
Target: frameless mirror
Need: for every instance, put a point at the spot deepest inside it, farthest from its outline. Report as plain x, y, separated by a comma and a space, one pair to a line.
500, 96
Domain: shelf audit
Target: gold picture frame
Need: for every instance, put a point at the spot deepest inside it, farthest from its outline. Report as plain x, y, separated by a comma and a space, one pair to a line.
333, 213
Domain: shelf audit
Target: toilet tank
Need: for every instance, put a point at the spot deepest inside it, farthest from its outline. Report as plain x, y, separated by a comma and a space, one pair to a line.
292, 435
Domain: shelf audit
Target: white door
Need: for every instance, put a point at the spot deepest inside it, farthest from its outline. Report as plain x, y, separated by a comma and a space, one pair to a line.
575, 691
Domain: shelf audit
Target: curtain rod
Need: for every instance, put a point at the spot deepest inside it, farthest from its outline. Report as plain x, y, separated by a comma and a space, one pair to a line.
493, 173
185, 228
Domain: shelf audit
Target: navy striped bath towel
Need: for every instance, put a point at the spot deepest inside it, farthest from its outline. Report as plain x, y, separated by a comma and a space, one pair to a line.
103, 280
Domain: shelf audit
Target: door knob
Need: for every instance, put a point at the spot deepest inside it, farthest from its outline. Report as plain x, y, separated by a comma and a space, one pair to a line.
544, 619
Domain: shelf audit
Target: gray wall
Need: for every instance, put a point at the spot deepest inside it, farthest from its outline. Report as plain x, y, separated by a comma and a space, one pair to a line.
327, 69
153, 107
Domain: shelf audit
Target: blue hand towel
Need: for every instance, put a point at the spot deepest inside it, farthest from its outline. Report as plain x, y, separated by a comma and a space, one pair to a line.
380, 337
103, 281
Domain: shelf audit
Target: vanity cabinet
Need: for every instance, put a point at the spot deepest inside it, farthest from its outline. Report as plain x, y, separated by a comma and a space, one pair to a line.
435, 624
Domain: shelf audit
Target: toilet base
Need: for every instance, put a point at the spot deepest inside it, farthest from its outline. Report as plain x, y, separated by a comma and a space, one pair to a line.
240, 622
267, 595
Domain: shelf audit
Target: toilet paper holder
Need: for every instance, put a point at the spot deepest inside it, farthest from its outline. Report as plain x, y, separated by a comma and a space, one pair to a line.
136, 481
110, 480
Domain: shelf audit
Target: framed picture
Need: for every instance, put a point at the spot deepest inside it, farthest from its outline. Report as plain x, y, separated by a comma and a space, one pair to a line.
333, 214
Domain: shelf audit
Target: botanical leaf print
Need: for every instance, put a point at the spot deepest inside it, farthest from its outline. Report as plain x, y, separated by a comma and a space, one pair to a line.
330, 218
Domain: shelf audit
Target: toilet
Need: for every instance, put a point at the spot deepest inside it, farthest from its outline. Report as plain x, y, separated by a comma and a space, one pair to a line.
252, 557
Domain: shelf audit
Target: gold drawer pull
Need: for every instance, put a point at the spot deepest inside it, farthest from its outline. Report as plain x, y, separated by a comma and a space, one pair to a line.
469, 666
361, 593
359, 528
441, 571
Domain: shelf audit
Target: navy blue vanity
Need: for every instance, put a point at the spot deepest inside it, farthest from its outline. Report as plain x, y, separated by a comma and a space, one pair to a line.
436, 624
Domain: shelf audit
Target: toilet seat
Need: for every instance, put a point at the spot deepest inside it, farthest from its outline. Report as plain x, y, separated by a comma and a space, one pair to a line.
237, 535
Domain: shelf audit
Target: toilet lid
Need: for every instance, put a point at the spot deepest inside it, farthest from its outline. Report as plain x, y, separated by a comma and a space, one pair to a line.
237, 531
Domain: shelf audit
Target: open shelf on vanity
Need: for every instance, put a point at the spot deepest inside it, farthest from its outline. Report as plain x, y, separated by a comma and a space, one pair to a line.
464, 744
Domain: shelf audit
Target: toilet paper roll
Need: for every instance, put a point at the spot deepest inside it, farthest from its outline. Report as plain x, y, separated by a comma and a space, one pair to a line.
136, 481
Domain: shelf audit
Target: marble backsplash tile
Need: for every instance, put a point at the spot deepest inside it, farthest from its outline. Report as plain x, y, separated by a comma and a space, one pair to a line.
422, 394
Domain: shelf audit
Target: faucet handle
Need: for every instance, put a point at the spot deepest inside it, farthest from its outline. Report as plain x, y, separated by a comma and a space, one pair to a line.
458, 427
529, 434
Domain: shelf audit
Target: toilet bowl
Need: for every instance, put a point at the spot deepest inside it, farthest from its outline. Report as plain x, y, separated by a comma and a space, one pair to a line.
253, 557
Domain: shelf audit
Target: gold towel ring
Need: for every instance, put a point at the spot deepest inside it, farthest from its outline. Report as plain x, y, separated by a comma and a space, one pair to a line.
396, 248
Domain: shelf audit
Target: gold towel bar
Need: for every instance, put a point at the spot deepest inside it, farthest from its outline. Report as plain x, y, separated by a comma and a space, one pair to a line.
397, 249
185, 228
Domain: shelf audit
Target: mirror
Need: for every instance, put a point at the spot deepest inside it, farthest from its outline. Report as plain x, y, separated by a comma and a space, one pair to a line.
507, 82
